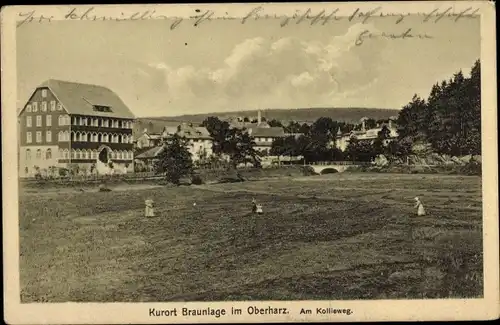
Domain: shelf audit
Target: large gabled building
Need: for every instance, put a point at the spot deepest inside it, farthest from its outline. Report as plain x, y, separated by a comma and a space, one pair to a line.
65, 123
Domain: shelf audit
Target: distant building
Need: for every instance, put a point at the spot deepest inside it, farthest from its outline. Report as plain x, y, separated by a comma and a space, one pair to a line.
264, 137
342, 139
66, 123
200, 143
239, 122
148, 140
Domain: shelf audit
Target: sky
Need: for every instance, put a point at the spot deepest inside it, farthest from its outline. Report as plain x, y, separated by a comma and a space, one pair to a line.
223, 65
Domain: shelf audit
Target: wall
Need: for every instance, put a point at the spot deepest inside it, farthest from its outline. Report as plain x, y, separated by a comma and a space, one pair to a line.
31, 159
197, 145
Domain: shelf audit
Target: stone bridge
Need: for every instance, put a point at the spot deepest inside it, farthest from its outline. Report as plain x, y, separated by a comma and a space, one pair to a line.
335, 166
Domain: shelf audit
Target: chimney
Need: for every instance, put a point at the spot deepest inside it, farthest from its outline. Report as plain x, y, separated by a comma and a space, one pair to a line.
259, 117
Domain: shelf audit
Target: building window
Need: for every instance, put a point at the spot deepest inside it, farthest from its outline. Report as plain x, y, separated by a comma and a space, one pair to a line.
48, 136
28, 137
59, 107
66, 154
28, 108
38, 120
35, 106
28, 154
52, 105
48, 120
48, 154
44, 107
44, 93
39, 154
38, 136
28, 121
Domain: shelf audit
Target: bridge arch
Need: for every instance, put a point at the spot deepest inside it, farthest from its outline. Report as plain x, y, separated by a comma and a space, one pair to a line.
329, 170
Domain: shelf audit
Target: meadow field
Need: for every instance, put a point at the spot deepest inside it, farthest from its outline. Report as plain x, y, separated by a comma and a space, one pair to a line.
336, 236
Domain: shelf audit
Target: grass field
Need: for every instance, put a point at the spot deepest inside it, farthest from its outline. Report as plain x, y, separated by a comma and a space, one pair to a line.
338, 236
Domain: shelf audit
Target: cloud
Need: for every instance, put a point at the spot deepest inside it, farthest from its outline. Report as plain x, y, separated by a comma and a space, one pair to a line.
288, 72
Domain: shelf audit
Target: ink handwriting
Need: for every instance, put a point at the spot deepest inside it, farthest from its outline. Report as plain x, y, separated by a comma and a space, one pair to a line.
407, 34
308, 16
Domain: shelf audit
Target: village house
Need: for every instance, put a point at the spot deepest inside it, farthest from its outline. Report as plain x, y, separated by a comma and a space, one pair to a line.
342, 139
66, 123
148, 140
261, 133
199, 144
264, 137
148, 132
199, 140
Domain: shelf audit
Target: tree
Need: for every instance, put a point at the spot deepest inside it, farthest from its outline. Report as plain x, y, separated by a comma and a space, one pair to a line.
292, 127
360, 150
304, 128
246, 119
174, 160
219, 131
370, 123
240, 148
379, 143
285, 147
275, 123
450, 119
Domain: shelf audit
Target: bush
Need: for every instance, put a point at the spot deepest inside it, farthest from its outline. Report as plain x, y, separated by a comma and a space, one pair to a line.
308, 171
472, 168
197, 180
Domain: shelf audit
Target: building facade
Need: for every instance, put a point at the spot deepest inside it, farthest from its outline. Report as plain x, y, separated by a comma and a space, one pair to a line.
66, 123
148, 140
342, 139
200, 143
264, 137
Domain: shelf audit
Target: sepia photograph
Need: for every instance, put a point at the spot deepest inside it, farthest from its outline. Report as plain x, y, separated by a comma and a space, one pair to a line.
238, 154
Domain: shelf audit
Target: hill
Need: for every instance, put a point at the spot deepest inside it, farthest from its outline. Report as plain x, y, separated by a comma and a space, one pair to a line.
345, 114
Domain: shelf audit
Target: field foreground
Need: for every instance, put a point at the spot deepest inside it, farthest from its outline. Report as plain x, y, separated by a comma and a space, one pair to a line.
338, 236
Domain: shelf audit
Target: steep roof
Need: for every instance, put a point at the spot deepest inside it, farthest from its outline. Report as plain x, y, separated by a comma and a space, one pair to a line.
151, 153
189, 132
79, 98
270, 132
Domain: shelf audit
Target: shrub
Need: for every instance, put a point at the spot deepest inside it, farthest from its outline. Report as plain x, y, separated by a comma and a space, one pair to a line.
308, 170
197, 180
472, 168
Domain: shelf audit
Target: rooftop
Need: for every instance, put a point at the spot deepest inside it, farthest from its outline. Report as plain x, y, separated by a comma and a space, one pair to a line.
269, 132
87, 99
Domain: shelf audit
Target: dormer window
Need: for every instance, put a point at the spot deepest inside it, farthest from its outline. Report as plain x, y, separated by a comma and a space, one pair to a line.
102, 108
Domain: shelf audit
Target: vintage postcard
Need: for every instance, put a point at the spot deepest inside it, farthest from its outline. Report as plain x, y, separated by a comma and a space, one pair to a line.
247, 163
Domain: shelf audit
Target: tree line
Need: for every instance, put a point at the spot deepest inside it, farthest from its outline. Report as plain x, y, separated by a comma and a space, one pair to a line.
449, 121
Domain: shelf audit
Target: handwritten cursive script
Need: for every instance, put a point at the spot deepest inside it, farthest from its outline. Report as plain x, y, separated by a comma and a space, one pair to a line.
407, 34
319, 17
91, 15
